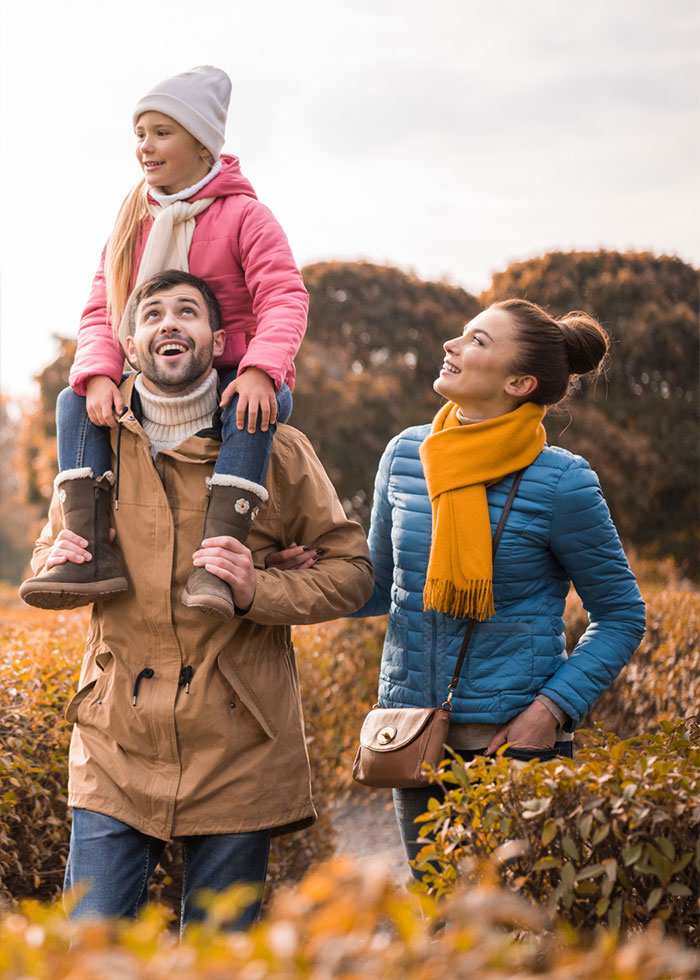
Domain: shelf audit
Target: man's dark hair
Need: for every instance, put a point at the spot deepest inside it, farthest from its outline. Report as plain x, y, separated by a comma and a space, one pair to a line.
168, 279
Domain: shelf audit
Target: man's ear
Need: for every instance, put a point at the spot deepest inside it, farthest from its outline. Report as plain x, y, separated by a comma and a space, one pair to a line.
219, 342
131, 352
521, 385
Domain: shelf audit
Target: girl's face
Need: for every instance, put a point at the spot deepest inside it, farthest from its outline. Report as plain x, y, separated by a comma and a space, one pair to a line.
477, 370
170, 157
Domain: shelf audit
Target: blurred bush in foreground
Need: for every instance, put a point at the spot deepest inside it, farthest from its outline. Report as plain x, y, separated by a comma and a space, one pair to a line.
343, 921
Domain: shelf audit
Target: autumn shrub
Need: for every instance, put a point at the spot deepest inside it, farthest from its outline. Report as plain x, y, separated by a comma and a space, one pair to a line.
612, 837
39, 664
662, 681
343, 921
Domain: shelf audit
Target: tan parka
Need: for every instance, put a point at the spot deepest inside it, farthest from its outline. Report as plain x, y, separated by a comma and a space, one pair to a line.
225, 753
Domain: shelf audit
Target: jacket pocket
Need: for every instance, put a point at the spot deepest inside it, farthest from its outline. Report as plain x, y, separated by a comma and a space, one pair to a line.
72, 712
263, 687
394, 655
501, 658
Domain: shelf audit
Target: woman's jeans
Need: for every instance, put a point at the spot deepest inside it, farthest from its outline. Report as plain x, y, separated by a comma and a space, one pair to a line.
243, 454
411, 803
116, 861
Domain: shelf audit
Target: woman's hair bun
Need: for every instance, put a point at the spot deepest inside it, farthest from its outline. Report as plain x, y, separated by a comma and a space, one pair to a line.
586, 341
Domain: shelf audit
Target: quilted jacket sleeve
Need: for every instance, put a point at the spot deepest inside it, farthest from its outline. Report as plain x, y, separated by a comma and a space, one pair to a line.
280, 301
585, 542
98, 352
379, 538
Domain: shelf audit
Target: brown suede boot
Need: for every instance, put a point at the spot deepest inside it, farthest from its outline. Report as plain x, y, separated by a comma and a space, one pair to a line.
85, 503
231, 510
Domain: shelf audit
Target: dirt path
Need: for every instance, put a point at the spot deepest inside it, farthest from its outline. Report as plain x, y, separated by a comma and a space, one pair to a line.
365, 827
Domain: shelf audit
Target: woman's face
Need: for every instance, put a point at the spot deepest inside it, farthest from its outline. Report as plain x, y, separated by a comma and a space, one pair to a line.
170, 157
477, 370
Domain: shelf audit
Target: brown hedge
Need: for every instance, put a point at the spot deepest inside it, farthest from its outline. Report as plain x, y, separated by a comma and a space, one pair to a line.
612, 837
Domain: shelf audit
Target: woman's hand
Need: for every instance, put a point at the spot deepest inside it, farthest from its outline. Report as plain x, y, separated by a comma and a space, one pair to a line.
103, 401
533, 728
69, 546
231, 561
293, 558
256, 392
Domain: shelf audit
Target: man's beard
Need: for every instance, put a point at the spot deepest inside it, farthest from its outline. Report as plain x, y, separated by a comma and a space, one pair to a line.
175, 382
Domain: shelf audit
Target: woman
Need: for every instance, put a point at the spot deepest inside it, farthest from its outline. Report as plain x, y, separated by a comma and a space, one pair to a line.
439, 493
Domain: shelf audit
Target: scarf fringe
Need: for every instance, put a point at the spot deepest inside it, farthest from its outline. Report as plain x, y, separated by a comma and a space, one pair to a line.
475, 600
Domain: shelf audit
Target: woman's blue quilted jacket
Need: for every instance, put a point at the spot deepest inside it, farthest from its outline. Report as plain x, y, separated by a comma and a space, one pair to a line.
558, 531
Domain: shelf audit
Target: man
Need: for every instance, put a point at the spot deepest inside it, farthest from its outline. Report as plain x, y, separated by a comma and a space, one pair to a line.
188, 727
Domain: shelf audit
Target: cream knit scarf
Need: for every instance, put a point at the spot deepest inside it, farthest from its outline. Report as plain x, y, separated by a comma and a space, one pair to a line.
168, 245
169, 421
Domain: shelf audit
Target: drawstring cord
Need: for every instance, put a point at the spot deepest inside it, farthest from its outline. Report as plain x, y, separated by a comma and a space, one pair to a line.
185, 678
119, 458
146, 672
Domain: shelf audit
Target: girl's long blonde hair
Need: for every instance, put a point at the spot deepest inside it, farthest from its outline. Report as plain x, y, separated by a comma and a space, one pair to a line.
119, 258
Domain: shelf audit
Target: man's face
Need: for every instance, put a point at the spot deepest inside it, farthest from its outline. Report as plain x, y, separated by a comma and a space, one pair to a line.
172, 343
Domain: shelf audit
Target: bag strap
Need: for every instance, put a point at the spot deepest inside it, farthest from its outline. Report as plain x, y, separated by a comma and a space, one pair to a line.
472, 623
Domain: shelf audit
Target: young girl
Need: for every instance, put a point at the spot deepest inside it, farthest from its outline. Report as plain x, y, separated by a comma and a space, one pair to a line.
195, 211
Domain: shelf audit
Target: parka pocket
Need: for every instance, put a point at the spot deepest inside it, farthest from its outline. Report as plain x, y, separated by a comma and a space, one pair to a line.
394, 664
501, 658
94, 687
263, 687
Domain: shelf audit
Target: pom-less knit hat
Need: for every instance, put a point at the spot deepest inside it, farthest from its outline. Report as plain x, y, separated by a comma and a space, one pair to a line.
197, 99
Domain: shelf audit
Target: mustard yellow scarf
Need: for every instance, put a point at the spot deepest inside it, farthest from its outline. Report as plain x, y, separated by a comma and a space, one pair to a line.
459, 461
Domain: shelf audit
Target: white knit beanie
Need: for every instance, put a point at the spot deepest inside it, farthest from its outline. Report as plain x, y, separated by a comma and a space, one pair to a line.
197, 99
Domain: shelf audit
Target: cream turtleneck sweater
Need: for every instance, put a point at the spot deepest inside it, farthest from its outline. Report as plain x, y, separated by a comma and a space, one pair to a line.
168, 421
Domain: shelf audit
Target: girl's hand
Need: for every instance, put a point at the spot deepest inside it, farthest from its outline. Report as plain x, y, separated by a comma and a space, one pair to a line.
534, 728
103, 400
69, 546
293, 558
255, 392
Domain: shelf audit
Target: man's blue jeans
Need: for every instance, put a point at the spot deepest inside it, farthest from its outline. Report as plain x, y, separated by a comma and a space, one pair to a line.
116, 861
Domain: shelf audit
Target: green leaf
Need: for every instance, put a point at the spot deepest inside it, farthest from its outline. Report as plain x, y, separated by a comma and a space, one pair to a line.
590, 871
549, 831
676, 888
568, 876
666, 847
569, 848
545, 863
654, 899
601, 906
631, 853
600, 834
584, 825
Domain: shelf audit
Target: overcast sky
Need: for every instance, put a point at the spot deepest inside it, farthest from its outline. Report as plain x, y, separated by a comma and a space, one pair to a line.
446, 137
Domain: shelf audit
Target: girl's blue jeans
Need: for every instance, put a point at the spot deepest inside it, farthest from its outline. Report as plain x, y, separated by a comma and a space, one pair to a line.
243, 454
114, 862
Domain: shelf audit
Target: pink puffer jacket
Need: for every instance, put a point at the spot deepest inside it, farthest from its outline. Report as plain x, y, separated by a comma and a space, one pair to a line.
243, 253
